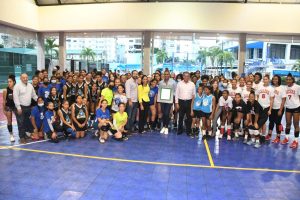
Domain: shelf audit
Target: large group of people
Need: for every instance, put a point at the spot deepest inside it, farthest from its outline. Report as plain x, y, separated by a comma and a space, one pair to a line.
114, 105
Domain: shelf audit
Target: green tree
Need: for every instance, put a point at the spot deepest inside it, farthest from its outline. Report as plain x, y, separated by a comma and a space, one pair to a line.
202, 54
213, 53
51, 48
88, 54
161, 56
226, 57
296, 66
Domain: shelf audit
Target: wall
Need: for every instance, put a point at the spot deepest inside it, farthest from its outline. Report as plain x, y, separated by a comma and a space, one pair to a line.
19, 13
259, 18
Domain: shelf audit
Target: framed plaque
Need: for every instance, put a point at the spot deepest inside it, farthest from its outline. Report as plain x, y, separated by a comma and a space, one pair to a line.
165, 95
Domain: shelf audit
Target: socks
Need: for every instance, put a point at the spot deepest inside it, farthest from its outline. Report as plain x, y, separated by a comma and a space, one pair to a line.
209, 133
229, 130
222, 131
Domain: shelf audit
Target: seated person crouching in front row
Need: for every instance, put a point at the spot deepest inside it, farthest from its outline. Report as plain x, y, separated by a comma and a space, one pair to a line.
105, 125
37, 117
67, 125
51, 123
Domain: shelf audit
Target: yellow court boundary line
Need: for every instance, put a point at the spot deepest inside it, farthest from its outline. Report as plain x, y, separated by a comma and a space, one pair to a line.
211, 161
152, 163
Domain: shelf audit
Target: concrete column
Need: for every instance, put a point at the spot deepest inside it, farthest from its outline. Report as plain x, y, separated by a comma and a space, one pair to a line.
287, 52
40, 51
242, 53
62, 51
147, 35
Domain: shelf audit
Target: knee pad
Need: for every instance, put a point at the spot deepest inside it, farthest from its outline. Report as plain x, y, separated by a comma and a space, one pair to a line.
105, 128
256, 132
9, 127
251, 131
236, 126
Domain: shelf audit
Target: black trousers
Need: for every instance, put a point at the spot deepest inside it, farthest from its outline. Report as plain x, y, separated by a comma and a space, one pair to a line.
143, 114
275, 119
185, 110
23, 121
165, 109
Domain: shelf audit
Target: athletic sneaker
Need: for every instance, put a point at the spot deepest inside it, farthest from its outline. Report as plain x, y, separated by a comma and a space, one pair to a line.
228, 137
166, 131
101, 140
257, 145
245, 141
285, 141
294, 145
12, 138
250, 142
268, 137
276, 140
220, 136
163, 130
96, 133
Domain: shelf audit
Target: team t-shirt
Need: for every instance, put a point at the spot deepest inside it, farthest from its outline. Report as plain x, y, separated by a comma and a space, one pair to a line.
264, 94
102, 115
38, 114
120, 119
245, 95
108, 95
292, 96
48, 121
118, 98
279, 93
233, 92
153, 92
226, 103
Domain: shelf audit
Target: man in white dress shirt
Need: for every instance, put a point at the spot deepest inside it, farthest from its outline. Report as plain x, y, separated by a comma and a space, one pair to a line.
23, 94
185, 92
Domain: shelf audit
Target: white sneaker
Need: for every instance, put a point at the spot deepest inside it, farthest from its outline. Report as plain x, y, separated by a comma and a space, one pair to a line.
228, 137
163, 130
166, 131
101, 140
12, 138
220, 136
109, 133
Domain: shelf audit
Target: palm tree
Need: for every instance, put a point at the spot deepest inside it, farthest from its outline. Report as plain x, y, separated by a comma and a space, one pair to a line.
213, 53
202, 54
51, 48
228, 58
296, 66
161, 56
88, 54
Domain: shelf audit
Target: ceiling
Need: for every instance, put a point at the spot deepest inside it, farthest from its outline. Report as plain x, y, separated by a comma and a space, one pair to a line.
70, 2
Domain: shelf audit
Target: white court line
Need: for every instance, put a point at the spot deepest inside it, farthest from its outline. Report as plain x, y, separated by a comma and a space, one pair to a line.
19, 145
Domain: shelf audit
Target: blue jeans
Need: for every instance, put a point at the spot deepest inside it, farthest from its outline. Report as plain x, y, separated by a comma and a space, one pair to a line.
165, 109
131, 112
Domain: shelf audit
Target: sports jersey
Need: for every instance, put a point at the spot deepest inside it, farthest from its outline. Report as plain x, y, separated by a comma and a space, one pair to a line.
153, 92
279, 93
292, 96
255, 108
102, 115
120, 119
80, 113
38, 114
48, 121
118, 98
108, 95
264, 94
233, 92
245, 95
226, 103
206, 106
80, 89
239, 107
197, 102
44, 92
